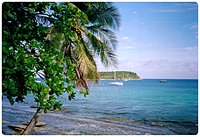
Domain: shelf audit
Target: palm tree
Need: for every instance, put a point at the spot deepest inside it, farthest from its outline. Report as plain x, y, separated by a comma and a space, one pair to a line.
96, 38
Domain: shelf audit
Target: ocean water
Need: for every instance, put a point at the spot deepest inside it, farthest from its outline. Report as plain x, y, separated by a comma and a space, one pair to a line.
137, 107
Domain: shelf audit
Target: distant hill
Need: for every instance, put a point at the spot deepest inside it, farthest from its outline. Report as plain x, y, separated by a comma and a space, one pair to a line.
119, 75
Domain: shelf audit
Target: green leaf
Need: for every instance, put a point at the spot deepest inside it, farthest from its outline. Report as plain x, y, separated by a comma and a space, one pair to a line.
52, 98
57, 105
43, 97
59, 7
10, 100
46, 110
36, 98
11, 15
84, 92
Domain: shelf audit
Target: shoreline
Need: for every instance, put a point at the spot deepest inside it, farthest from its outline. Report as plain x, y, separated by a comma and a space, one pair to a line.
121, 79
64, 125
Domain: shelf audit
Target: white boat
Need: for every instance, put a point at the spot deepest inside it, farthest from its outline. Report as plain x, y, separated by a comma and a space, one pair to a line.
125, 79
116, 84
163, 81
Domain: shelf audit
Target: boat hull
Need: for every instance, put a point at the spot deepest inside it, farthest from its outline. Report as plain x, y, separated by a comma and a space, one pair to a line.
116, 84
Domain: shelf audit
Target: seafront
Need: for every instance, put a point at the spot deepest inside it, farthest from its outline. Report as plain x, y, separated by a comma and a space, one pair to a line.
138, 107
61, 124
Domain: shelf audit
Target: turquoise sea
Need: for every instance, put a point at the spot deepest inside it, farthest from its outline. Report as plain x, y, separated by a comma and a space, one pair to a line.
138, 107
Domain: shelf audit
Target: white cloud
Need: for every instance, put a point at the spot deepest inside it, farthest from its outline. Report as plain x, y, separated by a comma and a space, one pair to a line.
180, 7
187, 5
127, 47
168, 10
190, 26
193, 26
190, 49
125, 38
135, 12
169, 68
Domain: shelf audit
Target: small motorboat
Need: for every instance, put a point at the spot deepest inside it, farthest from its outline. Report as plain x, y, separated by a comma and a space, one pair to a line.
163, 81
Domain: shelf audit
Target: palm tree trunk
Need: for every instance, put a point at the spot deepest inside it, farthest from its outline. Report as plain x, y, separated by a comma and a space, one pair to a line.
29, 129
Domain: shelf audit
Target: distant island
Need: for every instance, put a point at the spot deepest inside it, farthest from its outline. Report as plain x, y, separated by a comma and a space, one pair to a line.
122, 75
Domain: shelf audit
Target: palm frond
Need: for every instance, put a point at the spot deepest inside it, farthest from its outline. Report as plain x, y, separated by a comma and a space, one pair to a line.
57, 39
106, 54
104, 13
101, 13
86, 66
105, 34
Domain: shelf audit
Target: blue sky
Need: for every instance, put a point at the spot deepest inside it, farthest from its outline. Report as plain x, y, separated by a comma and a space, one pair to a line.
157, 40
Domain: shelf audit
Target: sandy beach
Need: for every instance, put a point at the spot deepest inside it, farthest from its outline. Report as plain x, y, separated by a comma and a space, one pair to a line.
58, 124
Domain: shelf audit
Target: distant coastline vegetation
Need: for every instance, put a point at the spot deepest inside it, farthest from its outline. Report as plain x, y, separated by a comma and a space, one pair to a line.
122, 75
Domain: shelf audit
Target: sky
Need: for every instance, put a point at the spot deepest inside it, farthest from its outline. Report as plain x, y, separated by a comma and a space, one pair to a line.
157, 40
